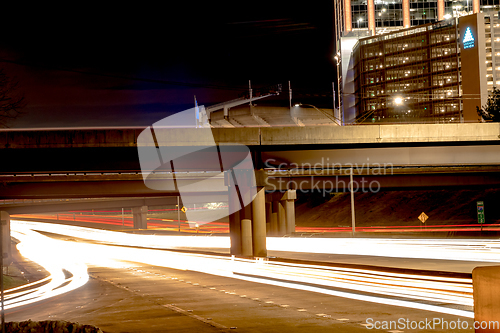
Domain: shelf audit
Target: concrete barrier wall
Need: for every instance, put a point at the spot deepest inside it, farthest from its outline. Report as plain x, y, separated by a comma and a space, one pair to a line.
252, 136
318, 135
249, 136
206, 136
381, 133
125, 137
69, 138
439, 132
486, 284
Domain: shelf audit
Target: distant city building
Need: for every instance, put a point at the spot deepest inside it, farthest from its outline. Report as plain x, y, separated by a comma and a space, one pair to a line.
402, 60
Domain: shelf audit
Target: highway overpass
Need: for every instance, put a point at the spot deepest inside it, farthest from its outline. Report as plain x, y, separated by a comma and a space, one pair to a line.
47, 163
97, 163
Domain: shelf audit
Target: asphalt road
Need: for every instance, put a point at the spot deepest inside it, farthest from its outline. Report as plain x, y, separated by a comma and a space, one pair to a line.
140, 298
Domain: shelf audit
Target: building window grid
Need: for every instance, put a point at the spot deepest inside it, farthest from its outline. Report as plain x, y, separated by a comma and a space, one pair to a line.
359, 16
456, 8
403, 75
423, 12
492, 4
389, 15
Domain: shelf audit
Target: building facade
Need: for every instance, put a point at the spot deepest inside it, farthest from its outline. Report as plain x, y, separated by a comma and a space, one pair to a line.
387, 48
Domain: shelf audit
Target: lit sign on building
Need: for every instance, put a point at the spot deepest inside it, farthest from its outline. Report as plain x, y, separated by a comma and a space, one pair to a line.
468, 40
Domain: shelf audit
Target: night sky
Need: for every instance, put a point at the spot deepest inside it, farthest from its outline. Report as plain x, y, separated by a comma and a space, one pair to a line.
132, 66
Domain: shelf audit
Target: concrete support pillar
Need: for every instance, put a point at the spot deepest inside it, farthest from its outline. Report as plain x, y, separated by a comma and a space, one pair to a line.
486, 290
280, 217
288, 201
290, 216
246, 238
140, 217
274, 224
347, 16
475, 6
440, 10
406, 14
259, 224
269, 213
371, 16
5, 240
234, 225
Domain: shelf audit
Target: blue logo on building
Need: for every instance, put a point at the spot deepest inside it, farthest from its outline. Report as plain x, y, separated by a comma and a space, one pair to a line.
468, 40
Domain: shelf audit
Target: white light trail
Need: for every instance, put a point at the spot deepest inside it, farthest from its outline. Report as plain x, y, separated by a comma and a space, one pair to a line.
47, 253
441, 249
368, 285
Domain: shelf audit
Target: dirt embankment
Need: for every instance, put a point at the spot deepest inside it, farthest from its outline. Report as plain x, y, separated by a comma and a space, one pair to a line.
55, 326
397, 208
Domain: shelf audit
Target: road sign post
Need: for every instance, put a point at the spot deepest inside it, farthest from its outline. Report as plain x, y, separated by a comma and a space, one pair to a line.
480, 214
422, 217
5, 257
353, 216
178, 214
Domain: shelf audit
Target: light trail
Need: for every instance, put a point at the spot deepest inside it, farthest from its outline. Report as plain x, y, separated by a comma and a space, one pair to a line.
441, 249
407, 290
223, 227
46, 252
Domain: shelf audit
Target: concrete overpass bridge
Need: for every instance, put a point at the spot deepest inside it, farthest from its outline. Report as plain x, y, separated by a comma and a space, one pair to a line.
105, 163
49, 163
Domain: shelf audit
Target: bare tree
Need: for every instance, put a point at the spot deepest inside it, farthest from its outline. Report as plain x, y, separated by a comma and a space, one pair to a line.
491, 111
11, 101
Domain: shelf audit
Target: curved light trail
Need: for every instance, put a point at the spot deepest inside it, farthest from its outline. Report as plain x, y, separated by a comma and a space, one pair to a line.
46, 252
442, 249
432, 293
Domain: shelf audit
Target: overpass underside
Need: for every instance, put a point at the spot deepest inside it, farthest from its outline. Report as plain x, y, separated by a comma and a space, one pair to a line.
99, 163
96, 185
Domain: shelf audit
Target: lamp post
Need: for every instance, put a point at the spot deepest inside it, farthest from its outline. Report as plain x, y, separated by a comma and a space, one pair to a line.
359, 20
381, 14
398, 102
338, 61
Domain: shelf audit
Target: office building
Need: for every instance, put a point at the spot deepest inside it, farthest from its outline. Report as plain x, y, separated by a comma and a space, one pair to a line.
401, 60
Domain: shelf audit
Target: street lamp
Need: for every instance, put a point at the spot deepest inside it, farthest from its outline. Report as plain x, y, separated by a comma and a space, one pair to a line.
338, 60
360, 20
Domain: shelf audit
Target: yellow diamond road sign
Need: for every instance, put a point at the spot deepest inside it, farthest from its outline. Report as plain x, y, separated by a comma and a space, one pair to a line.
423, 217
183, 209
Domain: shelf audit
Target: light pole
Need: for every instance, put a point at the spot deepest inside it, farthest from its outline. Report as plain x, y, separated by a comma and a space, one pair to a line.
359, 20
338, 60
382, 12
